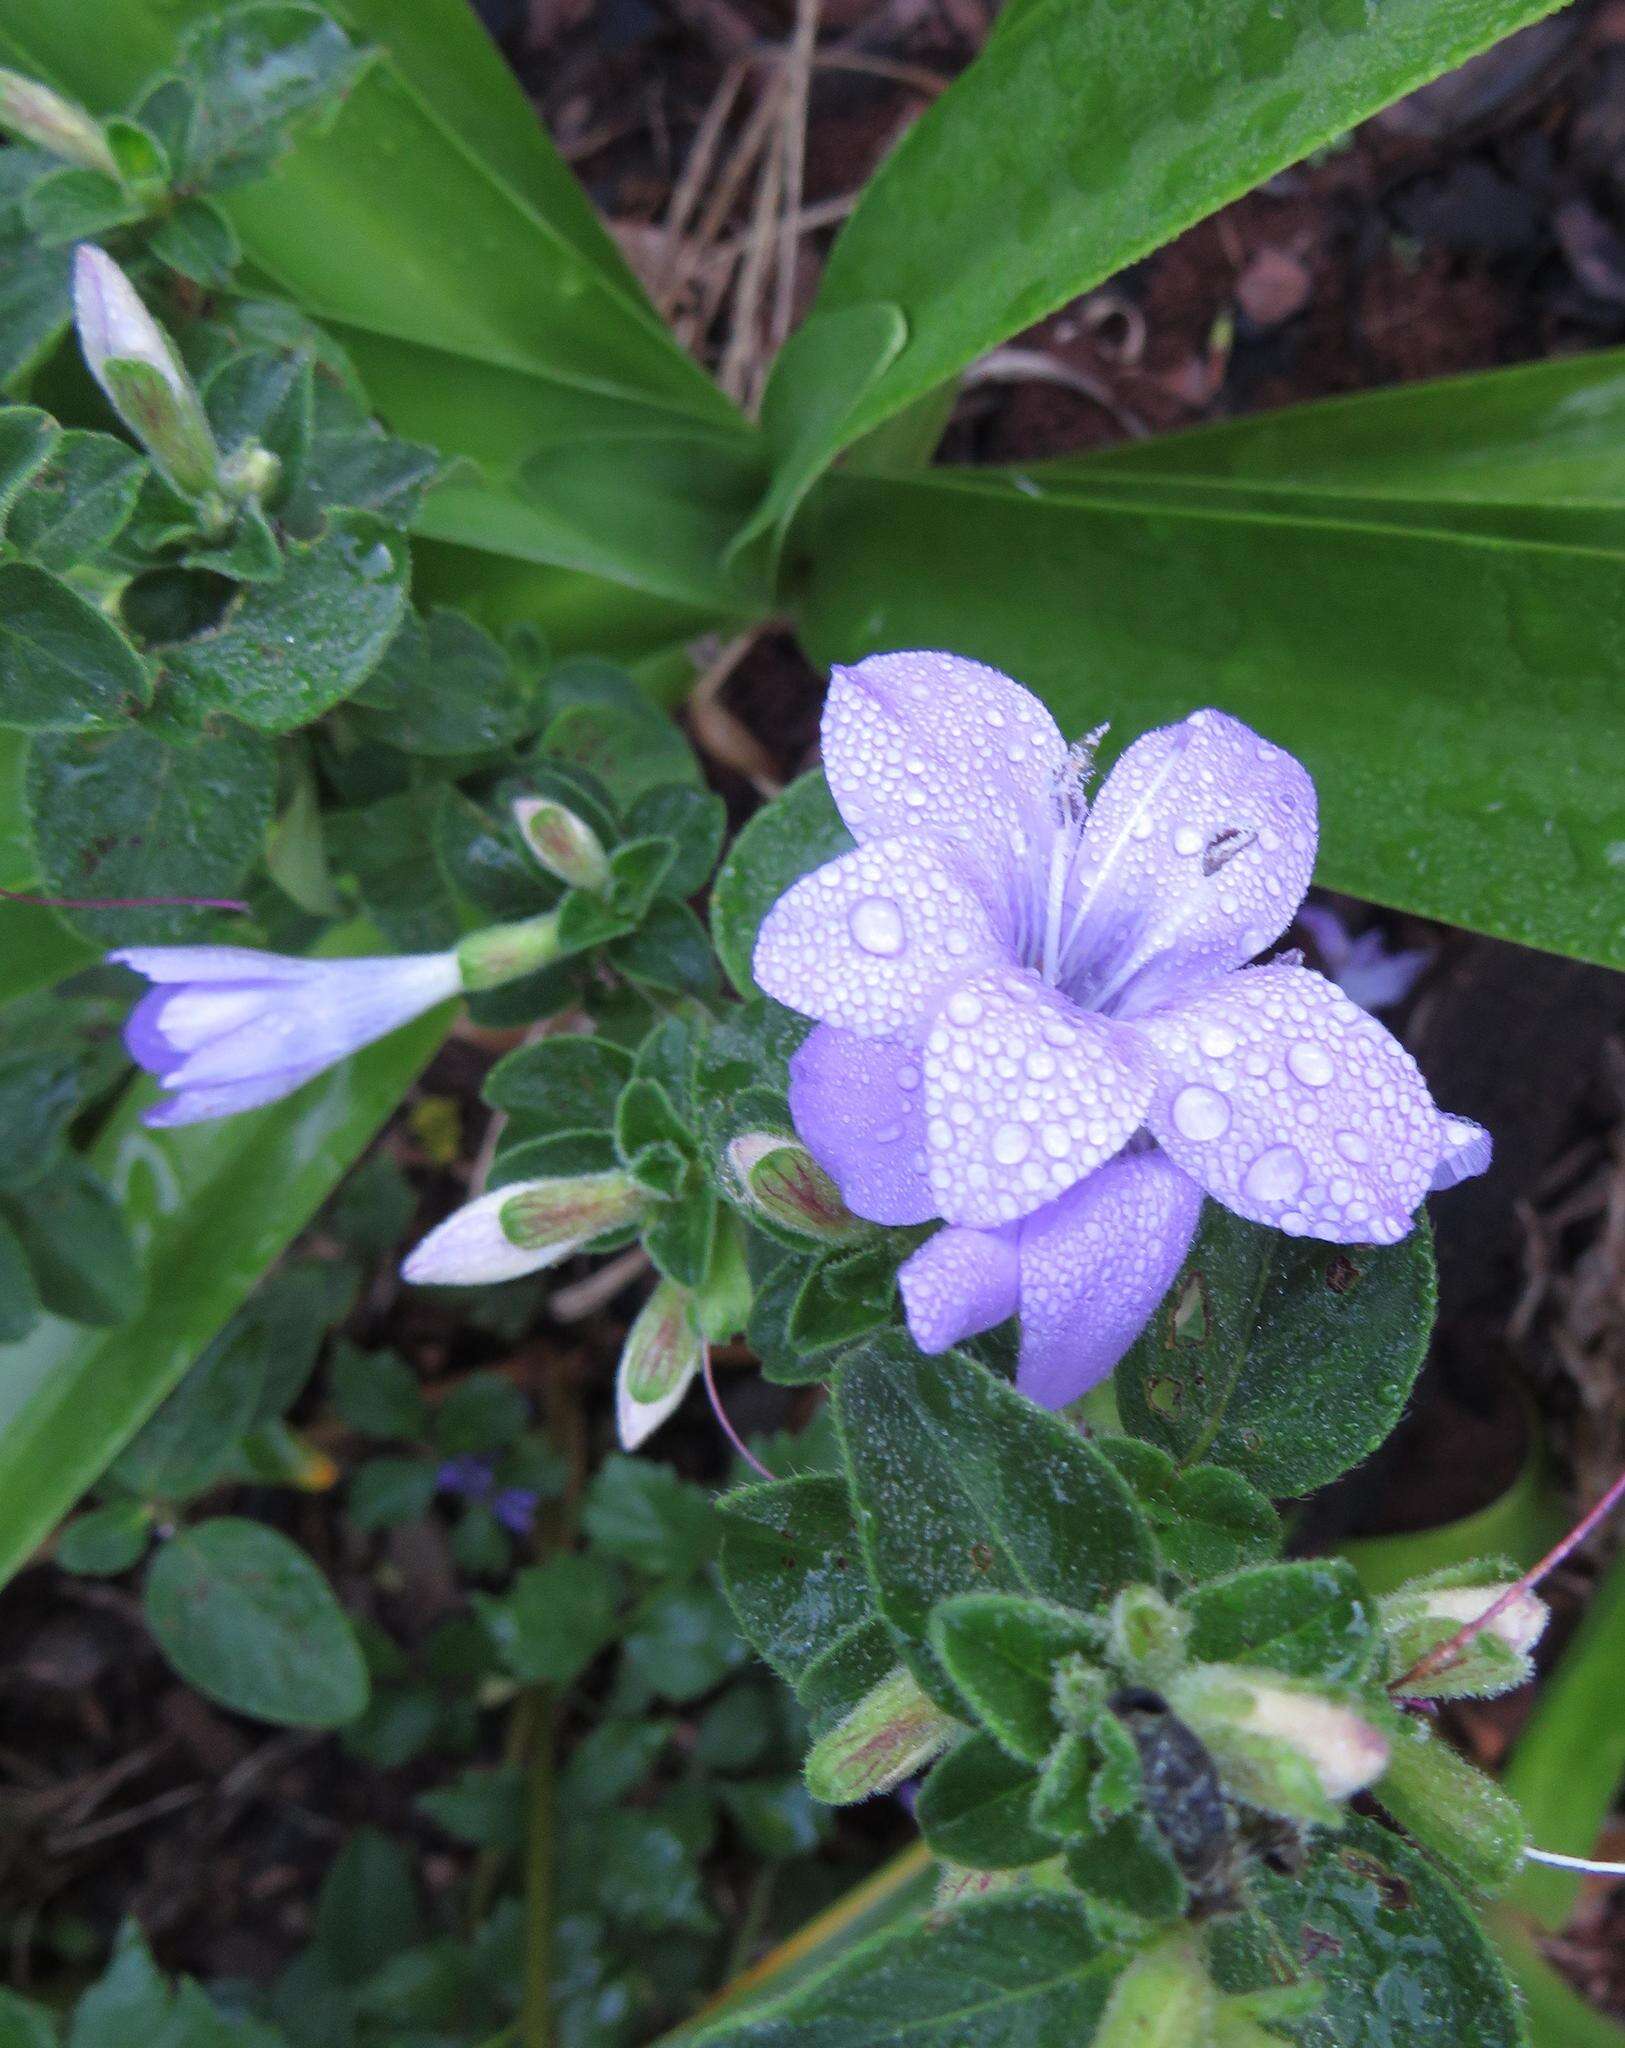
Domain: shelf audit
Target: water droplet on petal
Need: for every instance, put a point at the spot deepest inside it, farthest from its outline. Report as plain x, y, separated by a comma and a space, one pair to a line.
1201, 1113
1274, 1176
1187, 840
1011, 1144
1352, 1146
964, 1007
1217, 1041
1311, 1063
876, 924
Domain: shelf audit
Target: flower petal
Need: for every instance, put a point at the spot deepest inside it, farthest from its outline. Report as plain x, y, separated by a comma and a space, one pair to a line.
1196, 855
1093, 1267
1293, 1107
471, 1248
958, 1284
174, 1018
871, 940
1024, 1094
856, 1103
932, 742
316, 1022
229, 1098
216, 963
1468, 1149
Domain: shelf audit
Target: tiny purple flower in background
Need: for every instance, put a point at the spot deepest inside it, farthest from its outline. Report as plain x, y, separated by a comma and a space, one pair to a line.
226, 1028
473, 1478
1035, 1018
1365, 968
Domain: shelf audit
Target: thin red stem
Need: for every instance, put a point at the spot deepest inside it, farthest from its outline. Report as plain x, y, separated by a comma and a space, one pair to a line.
721, 1414
127, 902
1444, 1654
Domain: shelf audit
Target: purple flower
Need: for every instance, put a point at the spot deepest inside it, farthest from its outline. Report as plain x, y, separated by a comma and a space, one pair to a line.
1036, 1022
225, 1028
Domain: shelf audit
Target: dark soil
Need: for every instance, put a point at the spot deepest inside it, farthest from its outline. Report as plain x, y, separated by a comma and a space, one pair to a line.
1475, 225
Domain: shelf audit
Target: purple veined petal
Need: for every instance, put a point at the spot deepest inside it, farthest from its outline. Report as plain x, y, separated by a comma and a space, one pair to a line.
229, 1098
1024, 1094
857, 1105
216, 963
1195, 857
316, 1021
1293, 1107
933, 742
1094, 1265
174, 1019
958, 1284
1468, 1149
870, 941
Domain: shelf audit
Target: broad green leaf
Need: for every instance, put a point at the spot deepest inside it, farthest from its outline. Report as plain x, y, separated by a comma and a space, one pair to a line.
287, 651
1207, 1520
77, 501
1476, 786
555, 1618
188, 1444
973, 1809
210, 1208
245, 1616
77, 1245
445, 686
368, 1911
962, 1485
1023, 1971
20, 1305
64, 665
1001, 1652
1309, 1619
255, 72
568, 1083
797, 832
126, 814
1543, 432
793, 1571
34, 297
1400, 1957
644, 1513
1284, 1358
104, 1542
27, 437
36, 947
1086, 135
682, 1642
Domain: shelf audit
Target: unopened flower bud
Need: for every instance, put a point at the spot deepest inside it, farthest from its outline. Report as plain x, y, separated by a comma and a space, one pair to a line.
1278, 1745
1420, 1619
35, 114
504, 952
1453, 1810
893, 1731
523, 1228
565, 845
1147, 1634
134, 362
1164, 1999
661, 1355
781, 1180
250, 472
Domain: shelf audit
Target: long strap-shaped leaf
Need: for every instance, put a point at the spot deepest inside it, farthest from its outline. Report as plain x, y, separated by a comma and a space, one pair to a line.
1088, 133
211, 1207
1460, 699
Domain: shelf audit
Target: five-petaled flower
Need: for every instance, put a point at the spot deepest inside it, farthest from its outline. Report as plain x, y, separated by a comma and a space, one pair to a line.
1035, 1019
227, 1028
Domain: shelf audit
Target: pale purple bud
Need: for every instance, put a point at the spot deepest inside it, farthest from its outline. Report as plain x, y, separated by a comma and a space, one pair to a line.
780, 1179
1419, 1619
35, 114
1279, 1745
226, 1028
893, 1731
564, 844
1520, 1624
662, 1354
135, 363
523, 1228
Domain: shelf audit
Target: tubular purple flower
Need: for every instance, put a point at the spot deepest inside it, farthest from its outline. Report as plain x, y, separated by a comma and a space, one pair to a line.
226, 1028
1036, 1021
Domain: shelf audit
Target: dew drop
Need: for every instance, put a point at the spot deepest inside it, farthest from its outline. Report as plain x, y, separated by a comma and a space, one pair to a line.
1056, 1140
1217, 1041
1187, 840
1201, 1113
876, 924
1311, 1063
1274, 1176
1352, 1146
964, 1007
1011, 1144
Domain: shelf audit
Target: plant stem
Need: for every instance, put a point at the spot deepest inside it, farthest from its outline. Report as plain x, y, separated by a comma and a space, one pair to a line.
536, 2008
